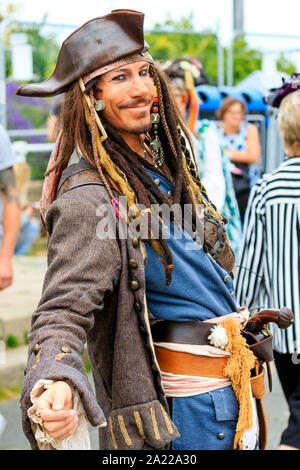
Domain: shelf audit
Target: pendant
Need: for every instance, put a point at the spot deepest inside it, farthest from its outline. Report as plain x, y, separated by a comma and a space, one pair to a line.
158, 155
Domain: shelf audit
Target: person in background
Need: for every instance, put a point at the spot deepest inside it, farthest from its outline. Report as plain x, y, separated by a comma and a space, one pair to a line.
54, 119
214, 171
30, 226
242, 147
10, 212
9, 216
269, 271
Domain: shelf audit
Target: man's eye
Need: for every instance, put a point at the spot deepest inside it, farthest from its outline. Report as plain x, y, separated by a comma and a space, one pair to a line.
119, 78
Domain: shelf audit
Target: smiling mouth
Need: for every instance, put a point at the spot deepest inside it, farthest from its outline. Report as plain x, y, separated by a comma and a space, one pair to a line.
137, 105
141, 107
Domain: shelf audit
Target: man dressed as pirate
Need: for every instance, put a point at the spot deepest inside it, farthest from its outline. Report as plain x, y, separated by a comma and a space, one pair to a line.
151, 295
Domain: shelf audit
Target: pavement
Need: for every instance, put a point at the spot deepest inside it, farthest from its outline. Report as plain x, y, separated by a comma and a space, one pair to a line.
17, 303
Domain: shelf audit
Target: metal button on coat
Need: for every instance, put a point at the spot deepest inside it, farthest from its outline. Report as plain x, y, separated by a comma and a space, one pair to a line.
36, 348
66, 349
157, 182
135, 241
132, 263
134, 285
221, 435
226, 278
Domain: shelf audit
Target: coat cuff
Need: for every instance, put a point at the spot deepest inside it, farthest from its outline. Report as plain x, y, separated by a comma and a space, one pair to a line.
142, 426
70, 369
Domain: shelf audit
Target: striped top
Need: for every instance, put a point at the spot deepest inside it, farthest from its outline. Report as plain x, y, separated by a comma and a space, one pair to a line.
268, 275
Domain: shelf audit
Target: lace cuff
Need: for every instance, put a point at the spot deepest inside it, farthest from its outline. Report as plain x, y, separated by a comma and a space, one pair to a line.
80, 440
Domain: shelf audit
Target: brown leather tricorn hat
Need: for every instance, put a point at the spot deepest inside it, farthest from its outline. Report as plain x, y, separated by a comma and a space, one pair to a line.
98, 42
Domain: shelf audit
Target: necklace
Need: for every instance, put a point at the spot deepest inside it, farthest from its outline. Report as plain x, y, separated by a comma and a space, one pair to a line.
146, 150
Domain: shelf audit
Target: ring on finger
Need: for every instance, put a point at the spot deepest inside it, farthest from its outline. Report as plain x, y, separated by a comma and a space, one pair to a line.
41, 425
39, 411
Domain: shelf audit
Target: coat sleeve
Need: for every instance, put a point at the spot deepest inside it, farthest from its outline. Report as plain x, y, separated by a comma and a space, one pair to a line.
82, 269
250, 267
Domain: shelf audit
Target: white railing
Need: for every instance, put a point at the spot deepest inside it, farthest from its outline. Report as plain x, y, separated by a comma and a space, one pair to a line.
25, 147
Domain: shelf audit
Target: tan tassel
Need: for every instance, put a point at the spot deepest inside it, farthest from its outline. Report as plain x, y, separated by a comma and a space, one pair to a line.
238, 370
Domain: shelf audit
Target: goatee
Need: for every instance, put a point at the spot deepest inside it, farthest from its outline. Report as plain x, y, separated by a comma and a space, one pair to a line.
140, 129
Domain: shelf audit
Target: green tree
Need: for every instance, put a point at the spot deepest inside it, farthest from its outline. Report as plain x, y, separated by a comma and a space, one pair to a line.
45, 49
184, 43
202, 46
285, 65
245, 60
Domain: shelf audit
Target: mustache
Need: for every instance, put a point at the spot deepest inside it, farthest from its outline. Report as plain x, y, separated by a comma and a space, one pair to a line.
137, 102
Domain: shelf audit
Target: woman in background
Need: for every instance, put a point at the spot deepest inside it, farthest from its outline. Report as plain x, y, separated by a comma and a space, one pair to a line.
269, 272
242, 147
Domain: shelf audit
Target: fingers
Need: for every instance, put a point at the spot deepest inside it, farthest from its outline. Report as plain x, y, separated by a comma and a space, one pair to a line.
62, 429
61, 402
57, 398
58, 426
52, 416
55, 411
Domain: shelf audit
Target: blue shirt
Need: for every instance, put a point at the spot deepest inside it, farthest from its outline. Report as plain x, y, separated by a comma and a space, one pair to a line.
200, 288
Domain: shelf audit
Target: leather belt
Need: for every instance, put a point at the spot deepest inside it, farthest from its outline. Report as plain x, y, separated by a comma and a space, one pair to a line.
187, 332
181, 363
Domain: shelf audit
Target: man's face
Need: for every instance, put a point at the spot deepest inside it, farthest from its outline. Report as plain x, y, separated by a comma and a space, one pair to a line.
128, 95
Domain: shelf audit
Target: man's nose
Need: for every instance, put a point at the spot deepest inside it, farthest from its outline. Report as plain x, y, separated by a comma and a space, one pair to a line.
139, 86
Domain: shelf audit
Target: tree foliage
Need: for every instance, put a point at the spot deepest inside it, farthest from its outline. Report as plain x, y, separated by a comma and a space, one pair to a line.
285, 65
44, 49
246, 60
169, 40
184, 43
202, 46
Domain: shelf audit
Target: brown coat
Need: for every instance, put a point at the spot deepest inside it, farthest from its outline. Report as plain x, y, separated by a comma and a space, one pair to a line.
88, 297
